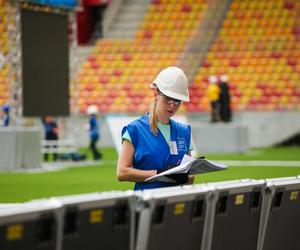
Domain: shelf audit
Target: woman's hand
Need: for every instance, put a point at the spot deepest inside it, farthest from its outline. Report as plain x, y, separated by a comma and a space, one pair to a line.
191, 179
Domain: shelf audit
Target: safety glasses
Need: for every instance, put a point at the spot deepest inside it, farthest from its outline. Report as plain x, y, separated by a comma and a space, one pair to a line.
169, 100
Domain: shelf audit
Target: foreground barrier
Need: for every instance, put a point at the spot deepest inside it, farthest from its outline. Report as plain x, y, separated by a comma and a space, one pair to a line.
34, 226
239, 214
233, 220
281, 215
172, 220
99, 219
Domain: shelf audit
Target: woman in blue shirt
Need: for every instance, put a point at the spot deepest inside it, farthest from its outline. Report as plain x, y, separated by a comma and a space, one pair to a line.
154, 142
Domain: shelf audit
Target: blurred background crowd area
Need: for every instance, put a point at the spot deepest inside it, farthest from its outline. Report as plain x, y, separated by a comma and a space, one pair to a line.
256, 43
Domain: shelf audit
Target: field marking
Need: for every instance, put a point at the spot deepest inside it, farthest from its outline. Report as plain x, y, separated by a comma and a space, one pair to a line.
58, 166
262, 163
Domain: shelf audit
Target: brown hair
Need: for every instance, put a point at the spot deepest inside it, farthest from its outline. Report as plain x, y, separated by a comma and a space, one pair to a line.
153, 118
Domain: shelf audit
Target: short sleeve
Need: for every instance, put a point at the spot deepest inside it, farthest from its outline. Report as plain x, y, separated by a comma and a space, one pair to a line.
126, 136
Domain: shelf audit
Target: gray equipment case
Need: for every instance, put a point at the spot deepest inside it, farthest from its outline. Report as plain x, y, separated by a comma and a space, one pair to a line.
172, 218
233, 219
98, 221
281, 212
30, 226
78, 222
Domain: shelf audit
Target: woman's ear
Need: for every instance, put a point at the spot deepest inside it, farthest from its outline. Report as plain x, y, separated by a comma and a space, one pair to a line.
155, 94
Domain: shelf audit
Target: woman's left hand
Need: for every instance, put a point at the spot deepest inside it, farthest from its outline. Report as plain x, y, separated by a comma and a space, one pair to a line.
191, 179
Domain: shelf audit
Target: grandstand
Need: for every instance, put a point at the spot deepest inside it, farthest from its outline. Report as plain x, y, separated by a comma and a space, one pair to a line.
121, 69
257, 46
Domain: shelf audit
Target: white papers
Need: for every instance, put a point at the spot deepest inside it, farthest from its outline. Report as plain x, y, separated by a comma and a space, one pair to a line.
189, 165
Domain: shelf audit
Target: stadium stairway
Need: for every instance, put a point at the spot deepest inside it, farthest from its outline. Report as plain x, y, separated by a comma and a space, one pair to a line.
128, 19
82, 54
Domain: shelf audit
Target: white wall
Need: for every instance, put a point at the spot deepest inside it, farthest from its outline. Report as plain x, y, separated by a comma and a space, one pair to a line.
264, 128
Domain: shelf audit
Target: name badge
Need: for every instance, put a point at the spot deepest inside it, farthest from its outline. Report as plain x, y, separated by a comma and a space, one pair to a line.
173, 148
181, 144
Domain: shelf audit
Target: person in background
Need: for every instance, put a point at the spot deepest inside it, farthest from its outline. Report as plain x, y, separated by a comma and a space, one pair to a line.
51, 134
225, 108
6, 116
154, 142
213, 94
94, 128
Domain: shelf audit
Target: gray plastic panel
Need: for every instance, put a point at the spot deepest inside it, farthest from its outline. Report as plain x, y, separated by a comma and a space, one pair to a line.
172, 220
281, 215
98, 221
234, 216
29, 226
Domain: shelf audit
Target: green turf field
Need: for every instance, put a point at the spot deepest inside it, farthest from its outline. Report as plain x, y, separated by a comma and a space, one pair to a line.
19, 187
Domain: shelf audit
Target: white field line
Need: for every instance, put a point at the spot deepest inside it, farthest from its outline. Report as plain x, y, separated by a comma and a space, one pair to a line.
262, 163
57, 166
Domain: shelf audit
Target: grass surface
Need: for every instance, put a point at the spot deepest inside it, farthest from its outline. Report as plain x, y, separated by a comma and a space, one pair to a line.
271, 154
20, 187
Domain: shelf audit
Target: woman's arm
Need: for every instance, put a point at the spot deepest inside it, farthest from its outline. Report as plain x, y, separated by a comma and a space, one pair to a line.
125, 171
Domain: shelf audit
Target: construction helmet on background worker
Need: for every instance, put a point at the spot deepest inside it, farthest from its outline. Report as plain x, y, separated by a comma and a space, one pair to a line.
92, 110
213, 79
224, 78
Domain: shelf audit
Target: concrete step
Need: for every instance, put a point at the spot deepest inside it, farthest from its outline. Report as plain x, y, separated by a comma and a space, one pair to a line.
132, 8
128, 20
130, 16
82, 54
121, 34
138, 2
125, 25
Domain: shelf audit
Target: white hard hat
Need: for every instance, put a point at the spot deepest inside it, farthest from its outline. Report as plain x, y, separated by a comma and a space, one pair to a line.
213, 79
224, 78
173, 83
92, 110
